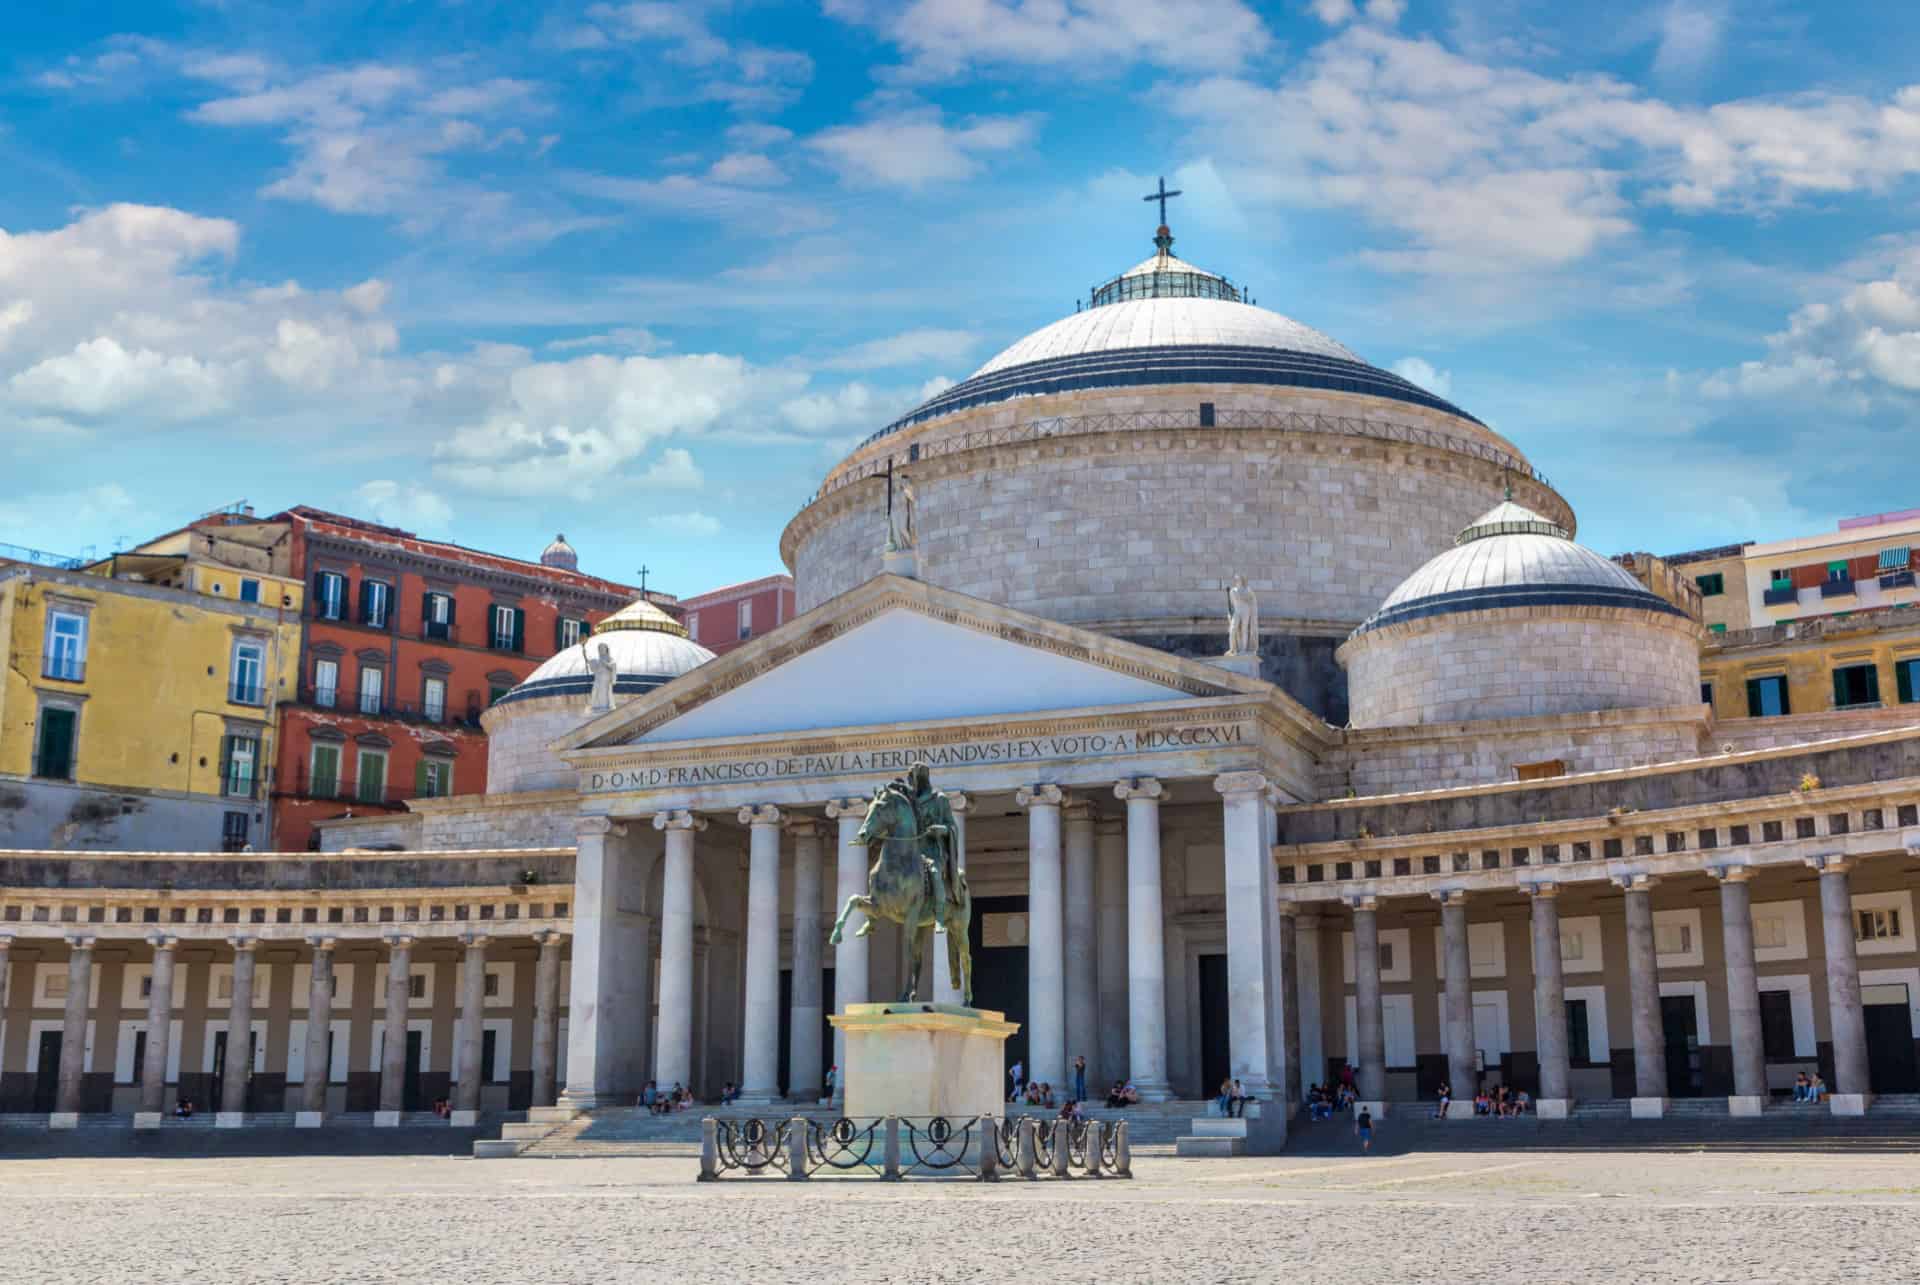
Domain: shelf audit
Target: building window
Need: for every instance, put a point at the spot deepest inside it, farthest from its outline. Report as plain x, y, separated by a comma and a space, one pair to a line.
1770, 932
1767, 697
1906, 678
1837, 572
507, 628
433, 699
693, 625
1573, 946
1711, 586
66, 650
249, 685
372, 679
417, 986
434, 778
436, 615
376, 603
1673, 939
59, 729
1856, 685
1706, 693
326, 683
746, 619
1579, 1043
323, 778
371, 771
1386, 957
495, 692
493, 992
249, 590
233, 838
1776, 1025
330, 596
1877, 925
568, 633
1717, 629
241, 761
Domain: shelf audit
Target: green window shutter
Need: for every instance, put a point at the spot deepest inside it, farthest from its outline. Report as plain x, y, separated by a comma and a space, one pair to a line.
1753, 698
519, 629
1903, 680
559, 631
226, 762
56, 743
420, 777
453, 608
426, 611
1839, 688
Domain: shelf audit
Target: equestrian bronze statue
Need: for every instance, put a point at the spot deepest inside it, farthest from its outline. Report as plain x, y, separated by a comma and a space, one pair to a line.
916, 877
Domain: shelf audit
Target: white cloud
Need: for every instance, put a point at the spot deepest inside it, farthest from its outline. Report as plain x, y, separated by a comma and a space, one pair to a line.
910, 348
100, 378
756, 135
404, 504
1690, 38
674, 470
750, 169
675, 43
38, 519
693, 523
913, 151
1417, 370
622, 339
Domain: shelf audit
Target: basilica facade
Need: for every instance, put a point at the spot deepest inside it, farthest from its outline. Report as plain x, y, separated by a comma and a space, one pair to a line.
1459, 814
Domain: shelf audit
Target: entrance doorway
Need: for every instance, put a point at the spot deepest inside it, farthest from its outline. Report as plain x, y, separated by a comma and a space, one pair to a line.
1681, 1026
1000, 968
217, 1091
1216, 1044
1890, 1058
410, 1083
46, 1077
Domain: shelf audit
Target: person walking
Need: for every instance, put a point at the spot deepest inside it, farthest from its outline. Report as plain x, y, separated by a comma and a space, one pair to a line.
1019, 1073
1364, 1127
1080, 1078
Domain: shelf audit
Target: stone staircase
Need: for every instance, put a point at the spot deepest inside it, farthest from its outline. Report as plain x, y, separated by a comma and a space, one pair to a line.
1260, 1132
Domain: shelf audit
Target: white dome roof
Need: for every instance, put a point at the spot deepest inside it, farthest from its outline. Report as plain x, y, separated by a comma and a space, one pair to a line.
1158, 323
647, 646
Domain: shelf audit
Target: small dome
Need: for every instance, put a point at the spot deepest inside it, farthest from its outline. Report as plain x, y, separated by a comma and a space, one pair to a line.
648, 647
642, 615
560, 555
1512, 557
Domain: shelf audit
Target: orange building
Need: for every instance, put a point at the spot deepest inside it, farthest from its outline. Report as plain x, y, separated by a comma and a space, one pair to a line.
722, 619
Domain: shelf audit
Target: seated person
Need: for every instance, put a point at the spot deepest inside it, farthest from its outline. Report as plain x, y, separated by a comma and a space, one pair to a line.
1521, 1101
1046, 1094
1800, 1086
1482, 1104
1444, 1101
1224, 1098
1117, 1095
183, 1109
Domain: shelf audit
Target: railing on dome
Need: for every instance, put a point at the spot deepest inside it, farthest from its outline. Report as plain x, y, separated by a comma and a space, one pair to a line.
1163, 285
1056, 426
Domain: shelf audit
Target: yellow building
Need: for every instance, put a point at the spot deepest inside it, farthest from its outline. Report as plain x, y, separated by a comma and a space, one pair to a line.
137, 708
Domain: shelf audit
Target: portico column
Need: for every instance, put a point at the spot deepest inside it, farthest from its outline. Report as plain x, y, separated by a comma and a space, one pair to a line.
1110, 897
469, 1040
1743, 992
393, 1047
546, 1016
1146, 951
1313, 1039
1549, 1004
1370, 1026
1243, 798
673, 1064
1083, 996
805, 1017
944, 991
313, 1086
1457, 1000
1294, 1086
760, 1082
1643, 990
73, 1027
1847, 1022
850, 956
607, 1037
233, 1087
1046, 922
153, 1069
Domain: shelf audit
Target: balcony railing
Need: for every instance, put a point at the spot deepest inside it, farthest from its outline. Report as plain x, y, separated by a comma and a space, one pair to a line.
1780, 595
406, 711
1837, 588
240, 785
239, 693
65, 669
346, 790
1897, 580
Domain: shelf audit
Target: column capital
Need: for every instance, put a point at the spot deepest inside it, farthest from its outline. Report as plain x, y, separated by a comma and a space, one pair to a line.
243, 944
1362, 901
1541, 888
1830, 863
399, 941
1731, 873
80, 941
1232, 783
959, 802
1110, 825
841, 808
1040, 796
759, 814
474, 940
590, 827
322, 944
678, 819
1077, 809
1635, 883
1449, 896
804, 827
1289, 910
550, 937
1139, 787
6, 940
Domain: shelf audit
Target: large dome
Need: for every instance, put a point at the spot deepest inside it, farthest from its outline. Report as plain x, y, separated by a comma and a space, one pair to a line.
648, 647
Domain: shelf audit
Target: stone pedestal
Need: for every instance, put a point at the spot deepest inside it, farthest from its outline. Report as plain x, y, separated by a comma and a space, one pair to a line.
1745, 1104
1647, 1108
309, 1119
924, 1060
144, 1120
901, 562
1848, 1103
1553, 1108
1247, 663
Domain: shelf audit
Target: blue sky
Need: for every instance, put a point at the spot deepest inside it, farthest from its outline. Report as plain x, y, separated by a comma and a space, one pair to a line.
641, 272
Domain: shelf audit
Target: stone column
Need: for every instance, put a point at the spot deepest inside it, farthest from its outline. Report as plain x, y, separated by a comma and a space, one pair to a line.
6, 949
673, 1064
944, 991
1370, 1025
1743, 992
1549, 1005
1313, 1036
610, 1003
469, 1038
1083, 995
1046, 923
1457, 1000
1146, 949
1278, 1001
805, 1018
393, 1048
73, 1030
153, 1070
1294, 1087
546, 1016
850, 956
1847, 1021
760, 1031
1243, 798
1643, 990
233, 1088
1110, 900
313, 1088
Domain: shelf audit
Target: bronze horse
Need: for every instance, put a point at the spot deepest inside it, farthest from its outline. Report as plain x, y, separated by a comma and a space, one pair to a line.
900, 888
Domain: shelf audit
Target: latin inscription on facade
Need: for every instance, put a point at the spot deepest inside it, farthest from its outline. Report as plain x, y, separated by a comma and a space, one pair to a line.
958, 754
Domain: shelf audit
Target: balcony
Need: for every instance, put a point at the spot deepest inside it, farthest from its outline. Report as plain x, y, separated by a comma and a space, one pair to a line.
1837, 588
240, 785
239, 693
1896, 580
65, 669
1780, 596
405, 711
347, 791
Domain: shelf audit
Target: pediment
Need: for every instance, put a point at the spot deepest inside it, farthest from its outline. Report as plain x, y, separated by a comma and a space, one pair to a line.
899, 651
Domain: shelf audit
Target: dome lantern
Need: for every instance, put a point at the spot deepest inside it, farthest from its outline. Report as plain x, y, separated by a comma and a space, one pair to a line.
560, 555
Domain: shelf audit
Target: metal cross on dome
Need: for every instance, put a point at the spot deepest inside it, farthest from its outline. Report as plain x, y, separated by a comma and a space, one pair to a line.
1162, 196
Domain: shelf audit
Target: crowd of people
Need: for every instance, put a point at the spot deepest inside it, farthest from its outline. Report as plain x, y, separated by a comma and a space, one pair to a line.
659, 1101
1810, 1088
1040, 1093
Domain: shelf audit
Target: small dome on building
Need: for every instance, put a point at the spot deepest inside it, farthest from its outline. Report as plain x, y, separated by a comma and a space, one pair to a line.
1516, 620
560, 555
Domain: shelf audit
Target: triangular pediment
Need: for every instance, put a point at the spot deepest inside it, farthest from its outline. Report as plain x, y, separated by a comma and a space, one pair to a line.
895, 650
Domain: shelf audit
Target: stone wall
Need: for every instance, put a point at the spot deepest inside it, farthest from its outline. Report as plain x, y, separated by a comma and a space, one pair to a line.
395, 831
69, 817
520, 735
1800, 729
1518, 663
1431, 757
1302, 665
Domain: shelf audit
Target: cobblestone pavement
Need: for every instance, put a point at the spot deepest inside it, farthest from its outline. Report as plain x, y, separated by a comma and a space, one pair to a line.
1801, 1216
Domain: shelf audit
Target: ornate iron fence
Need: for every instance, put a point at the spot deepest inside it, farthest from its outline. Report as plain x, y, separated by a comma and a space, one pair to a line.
897, 1147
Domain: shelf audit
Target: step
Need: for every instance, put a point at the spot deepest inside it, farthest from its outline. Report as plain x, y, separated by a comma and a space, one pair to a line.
496, 1148
1202, 1148
1217, 1127
525, 1132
